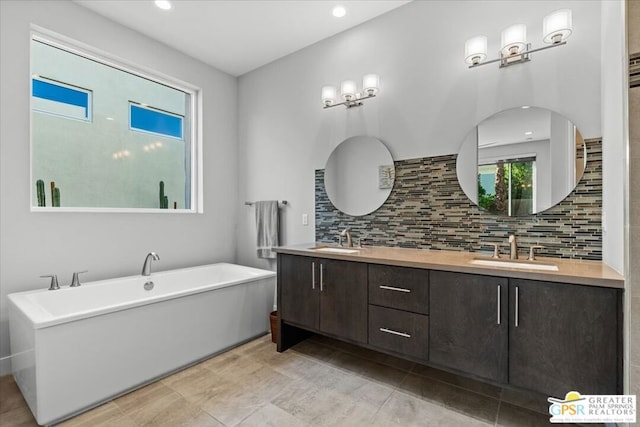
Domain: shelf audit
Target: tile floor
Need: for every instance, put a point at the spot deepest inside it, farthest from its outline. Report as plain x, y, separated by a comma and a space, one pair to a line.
318, 382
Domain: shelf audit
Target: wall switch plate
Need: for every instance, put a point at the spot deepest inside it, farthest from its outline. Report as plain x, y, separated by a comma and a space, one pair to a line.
305, 219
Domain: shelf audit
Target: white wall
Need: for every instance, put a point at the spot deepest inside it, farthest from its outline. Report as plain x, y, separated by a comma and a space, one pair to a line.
108, 245
615, 161
613, 132
428, 99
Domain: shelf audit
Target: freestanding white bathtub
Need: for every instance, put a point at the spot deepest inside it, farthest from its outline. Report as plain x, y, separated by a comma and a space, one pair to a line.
75, 348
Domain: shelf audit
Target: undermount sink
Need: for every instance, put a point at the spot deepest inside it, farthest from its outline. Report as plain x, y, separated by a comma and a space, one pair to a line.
528, 265
335, 250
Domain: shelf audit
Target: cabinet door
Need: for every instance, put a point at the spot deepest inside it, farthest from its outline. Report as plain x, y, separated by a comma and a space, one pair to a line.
563, 338
343, 299
298, 290
468, 323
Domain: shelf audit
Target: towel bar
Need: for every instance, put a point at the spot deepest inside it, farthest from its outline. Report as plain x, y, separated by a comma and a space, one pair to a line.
284, 202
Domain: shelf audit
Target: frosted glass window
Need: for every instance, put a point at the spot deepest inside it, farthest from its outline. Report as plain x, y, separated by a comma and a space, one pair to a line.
132, 143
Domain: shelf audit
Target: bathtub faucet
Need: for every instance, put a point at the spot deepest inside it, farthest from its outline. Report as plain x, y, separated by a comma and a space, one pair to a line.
146, 267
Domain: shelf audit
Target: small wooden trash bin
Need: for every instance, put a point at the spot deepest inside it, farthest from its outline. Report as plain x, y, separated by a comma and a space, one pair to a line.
273, 318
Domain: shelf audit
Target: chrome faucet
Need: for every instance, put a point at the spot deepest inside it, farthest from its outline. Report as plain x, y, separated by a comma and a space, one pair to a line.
146, 267
54, 282
75, 280
514, 247
532, 253
346, 233
496, 251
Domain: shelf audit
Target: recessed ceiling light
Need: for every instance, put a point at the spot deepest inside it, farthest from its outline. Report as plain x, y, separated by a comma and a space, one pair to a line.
528, 133
525, 106
163, 4
339, 11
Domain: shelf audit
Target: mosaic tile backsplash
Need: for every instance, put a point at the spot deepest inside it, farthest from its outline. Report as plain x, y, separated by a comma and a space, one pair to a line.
428, 209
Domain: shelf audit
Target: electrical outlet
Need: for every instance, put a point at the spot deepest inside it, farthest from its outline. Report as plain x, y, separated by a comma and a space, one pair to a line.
305, 219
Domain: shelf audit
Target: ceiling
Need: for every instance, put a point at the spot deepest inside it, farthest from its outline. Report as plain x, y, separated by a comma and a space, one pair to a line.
513, 126
237, 36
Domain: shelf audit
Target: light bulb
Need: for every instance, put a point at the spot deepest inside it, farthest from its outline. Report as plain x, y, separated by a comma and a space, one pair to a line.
163, 4
475, 50
557, 26
514, 40
339, 11
328, 95
348, 90
371, 84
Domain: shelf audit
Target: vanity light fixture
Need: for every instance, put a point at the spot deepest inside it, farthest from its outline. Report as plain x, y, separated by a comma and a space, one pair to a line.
349, 94
514, 49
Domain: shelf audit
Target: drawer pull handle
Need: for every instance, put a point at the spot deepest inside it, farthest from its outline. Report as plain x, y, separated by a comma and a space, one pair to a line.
313, 275
392, 288
391, 331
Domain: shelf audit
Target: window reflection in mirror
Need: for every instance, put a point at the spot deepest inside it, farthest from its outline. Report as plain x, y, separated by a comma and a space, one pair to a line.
521, 161
507, 186
106, 137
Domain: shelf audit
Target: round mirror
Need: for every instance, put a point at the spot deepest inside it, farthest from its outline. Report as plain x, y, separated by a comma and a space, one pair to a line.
359, 175
521, 161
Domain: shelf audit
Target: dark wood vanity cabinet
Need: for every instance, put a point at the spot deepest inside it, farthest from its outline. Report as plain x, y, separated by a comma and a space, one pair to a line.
468, 324
564, 337
324, 295
542, 336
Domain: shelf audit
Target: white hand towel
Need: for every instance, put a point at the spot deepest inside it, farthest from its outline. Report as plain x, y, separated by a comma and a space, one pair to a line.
267, 225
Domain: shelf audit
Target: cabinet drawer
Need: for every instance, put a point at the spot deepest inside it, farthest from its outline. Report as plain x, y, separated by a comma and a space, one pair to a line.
399, 287
399, 331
